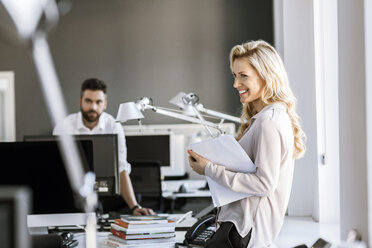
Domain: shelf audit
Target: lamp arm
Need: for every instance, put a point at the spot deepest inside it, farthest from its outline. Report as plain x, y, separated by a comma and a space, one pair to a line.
32, 20
201, 108
184, 117
202, 118
82, 185
57, 109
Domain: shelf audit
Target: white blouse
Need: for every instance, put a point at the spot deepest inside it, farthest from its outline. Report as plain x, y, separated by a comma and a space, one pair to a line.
269, 142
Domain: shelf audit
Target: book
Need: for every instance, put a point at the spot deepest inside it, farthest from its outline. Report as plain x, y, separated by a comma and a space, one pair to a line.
149, 219
112, 237
116, 242
224, 150
144, 224
144, 230
141, 236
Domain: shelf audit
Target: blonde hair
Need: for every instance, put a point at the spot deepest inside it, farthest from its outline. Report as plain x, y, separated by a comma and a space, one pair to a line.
267, 62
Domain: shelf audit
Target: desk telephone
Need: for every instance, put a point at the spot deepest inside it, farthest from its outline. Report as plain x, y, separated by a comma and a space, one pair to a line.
201, 231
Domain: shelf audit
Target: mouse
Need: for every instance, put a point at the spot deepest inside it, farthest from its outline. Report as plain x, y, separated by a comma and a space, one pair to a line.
182, 188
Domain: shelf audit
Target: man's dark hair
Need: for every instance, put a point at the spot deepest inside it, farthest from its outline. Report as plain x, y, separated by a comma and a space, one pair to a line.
93, 84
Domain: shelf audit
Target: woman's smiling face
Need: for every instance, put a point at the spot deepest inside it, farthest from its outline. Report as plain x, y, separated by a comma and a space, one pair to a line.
247, 81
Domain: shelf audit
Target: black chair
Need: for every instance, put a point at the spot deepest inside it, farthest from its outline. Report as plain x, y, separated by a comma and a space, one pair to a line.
146, 181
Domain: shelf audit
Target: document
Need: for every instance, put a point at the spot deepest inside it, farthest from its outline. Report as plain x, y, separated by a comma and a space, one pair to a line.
224, 150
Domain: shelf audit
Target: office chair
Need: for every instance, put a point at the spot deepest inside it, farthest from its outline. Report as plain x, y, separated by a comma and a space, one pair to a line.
146, 181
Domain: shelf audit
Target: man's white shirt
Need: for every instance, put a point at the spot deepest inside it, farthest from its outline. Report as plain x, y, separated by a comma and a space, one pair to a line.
73, 124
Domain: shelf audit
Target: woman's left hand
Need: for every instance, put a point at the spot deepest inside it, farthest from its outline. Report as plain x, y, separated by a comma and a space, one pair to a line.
197, 162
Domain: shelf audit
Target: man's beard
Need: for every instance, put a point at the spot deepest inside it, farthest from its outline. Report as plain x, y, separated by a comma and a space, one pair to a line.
89, 118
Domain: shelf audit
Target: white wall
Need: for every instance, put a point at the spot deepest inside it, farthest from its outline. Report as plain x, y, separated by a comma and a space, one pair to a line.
7, 106
352, 109
306, 35
326, 62
298, 53
351, 51
368, 61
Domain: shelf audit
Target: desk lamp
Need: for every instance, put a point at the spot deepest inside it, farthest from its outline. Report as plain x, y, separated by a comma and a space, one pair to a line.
132, 110
27, 22
189, 103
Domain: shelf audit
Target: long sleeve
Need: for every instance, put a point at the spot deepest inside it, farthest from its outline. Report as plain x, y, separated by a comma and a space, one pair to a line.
123, 163
267, 158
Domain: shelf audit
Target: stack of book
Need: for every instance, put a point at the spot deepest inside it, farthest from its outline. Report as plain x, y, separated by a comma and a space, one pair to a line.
142, 231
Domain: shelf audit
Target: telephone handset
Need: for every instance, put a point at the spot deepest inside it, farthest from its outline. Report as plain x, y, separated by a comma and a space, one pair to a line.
201, 231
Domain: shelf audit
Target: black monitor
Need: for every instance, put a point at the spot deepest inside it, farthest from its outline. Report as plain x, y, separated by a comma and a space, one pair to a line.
39, 166
105, 159
149, 147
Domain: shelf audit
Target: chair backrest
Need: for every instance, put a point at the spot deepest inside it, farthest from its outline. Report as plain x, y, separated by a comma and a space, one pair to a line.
146, 181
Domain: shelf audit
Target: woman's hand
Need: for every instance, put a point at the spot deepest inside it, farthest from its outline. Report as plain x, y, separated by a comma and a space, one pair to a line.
197, 162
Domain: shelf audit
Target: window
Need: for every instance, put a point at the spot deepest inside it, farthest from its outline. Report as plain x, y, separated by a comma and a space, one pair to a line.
7, 107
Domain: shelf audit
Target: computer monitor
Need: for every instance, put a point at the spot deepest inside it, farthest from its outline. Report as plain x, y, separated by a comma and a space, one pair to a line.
105, 159
164, 147
14, 207
180, 136
39, 166
150, 147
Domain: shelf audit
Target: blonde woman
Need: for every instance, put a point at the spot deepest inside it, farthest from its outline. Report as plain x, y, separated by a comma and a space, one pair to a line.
272, 137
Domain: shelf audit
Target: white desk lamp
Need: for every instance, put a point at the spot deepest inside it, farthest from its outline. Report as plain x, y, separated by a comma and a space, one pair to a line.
129, 111
189, 103
28, 21
132, 110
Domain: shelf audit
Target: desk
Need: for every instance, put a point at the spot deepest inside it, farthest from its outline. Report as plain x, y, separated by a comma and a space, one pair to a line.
170, 192
170, 188
180, 236
78, 219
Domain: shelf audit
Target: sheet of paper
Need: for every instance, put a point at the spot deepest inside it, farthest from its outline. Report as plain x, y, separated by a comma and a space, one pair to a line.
224, 150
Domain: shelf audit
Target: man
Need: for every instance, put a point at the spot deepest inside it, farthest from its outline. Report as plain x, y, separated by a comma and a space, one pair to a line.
93, 120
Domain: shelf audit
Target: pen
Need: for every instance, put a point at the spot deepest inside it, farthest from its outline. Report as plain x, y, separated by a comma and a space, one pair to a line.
184, 217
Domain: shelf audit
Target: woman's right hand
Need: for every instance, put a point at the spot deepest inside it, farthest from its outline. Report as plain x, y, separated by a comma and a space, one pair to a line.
197, 162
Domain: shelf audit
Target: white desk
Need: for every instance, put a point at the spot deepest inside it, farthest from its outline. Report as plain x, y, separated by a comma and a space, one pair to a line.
171, 187
101, 236
170, 191
39, 223
79, 219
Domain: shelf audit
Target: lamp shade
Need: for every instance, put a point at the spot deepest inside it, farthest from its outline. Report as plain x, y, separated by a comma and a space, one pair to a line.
179, 100
128, 111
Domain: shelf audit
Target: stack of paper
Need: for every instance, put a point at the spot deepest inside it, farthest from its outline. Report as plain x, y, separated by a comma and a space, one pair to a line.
224, 150
151, 230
